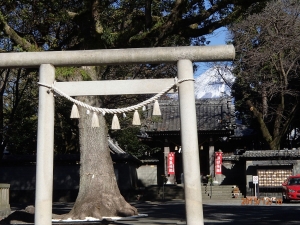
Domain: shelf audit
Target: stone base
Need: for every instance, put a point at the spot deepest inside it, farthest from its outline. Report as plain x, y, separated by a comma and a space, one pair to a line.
215, 183
4, 211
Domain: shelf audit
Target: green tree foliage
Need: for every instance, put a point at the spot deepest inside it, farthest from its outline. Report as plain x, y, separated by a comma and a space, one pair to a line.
30, 25
57, 25
267, 68
18, 111
129, 141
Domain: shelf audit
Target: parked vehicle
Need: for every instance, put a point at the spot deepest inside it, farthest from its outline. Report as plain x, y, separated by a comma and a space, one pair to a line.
291, 188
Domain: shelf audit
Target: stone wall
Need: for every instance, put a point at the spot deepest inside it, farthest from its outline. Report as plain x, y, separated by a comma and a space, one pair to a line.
65, 181
147, 175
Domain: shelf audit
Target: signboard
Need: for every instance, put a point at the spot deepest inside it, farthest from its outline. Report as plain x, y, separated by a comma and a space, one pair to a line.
171, 163
255, 179
255, 182
218, 162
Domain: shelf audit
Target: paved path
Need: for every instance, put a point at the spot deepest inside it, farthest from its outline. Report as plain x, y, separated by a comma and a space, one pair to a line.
227, 212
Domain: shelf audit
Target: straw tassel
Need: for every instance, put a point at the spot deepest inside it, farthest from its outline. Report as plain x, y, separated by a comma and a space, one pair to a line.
136, 118
115, 123
156, 109
95, 120
74, 112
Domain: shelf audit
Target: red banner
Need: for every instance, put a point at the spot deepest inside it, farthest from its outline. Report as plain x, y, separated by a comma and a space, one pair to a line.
218, 162
171, 163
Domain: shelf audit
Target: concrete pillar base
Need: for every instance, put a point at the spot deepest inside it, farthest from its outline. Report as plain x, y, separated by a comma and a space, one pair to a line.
4, 200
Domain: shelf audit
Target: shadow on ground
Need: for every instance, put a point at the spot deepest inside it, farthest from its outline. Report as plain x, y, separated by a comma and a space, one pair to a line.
173, 212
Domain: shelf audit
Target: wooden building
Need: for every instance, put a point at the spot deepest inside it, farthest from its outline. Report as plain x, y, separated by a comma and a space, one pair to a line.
215, 122
271, 166
217, 131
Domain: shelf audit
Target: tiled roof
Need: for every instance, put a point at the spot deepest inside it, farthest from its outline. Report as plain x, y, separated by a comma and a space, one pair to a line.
149, 160
212, 114
272, 153
118, 154
263, 154
114, 147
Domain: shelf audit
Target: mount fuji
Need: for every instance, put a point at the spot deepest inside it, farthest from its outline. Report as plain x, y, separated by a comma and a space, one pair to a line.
216, 82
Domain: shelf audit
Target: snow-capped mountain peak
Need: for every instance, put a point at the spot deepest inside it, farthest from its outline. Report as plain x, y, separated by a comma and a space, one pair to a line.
216, 82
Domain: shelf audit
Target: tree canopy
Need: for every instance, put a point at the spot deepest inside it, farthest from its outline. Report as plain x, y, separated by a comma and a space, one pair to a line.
267, 68
30, 25
58, 25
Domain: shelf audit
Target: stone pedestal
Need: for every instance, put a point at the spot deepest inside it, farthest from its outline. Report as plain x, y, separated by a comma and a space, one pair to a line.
4, 200
215, 183
219, 178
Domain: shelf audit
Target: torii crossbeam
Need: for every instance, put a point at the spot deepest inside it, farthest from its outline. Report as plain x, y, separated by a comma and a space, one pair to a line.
183, 56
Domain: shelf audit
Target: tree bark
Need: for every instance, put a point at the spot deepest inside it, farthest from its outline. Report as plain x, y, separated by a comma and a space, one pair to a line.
99, 194
272, 141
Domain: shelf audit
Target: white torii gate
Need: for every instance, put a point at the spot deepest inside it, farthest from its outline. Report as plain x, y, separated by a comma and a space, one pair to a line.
183, 56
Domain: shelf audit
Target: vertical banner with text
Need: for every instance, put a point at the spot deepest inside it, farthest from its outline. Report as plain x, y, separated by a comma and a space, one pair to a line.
218, 162
171, 163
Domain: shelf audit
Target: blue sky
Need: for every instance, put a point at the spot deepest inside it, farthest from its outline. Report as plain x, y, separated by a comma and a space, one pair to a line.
218, 37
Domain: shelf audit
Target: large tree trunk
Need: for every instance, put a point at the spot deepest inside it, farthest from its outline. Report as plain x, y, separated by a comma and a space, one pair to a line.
275, 144
272, 141
99, 194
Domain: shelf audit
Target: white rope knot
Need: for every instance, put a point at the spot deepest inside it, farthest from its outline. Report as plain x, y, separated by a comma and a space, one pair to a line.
53, 85
176, 82
186, 79
48, 86
51, 88
44, 85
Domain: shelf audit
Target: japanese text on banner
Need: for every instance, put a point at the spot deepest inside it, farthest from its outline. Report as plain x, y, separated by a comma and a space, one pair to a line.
171, 163
218, 162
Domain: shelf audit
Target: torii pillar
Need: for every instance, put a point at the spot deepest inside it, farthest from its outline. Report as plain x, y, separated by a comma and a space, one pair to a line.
189, 144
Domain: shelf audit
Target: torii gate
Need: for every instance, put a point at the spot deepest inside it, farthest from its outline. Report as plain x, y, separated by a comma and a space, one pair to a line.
184, 56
